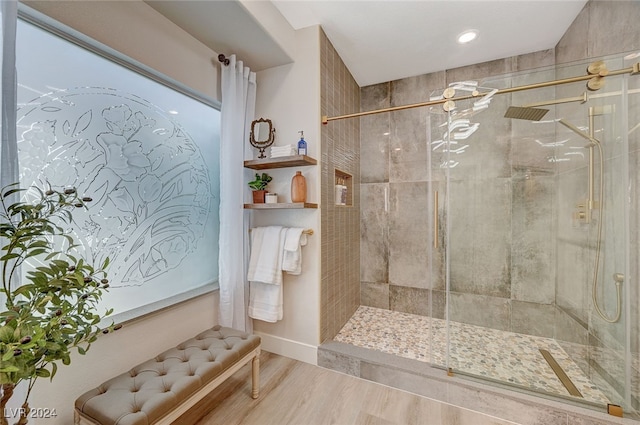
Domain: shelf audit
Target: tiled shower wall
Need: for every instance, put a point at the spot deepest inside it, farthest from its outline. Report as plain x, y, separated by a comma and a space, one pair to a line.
512, 286
605, 28
340, 283
395, 229
516, 290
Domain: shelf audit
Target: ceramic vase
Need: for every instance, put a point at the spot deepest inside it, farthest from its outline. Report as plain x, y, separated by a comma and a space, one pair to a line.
298, 188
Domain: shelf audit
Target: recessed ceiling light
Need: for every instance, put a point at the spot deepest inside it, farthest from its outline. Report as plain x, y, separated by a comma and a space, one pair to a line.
632, 56
467, 36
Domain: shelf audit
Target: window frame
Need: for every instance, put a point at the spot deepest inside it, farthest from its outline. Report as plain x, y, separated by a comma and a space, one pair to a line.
58, 29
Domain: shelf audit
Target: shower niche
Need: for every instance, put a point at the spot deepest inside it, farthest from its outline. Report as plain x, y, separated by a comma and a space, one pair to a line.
343, 184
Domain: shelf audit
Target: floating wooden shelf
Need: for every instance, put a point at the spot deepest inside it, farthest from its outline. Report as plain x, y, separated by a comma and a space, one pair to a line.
280, 205
281, 162
285, 161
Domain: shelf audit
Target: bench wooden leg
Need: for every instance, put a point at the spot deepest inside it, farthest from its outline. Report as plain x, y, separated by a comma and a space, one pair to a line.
255, 376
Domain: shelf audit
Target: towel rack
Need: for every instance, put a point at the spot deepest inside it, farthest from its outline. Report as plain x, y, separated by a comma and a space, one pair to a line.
305, 231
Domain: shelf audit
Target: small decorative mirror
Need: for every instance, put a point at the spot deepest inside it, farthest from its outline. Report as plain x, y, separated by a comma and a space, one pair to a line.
262, 135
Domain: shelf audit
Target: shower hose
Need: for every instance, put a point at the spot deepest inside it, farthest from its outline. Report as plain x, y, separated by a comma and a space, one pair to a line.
617, 279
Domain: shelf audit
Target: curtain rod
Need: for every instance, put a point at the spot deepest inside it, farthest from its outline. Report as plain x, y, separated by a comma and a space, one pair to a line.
597, 71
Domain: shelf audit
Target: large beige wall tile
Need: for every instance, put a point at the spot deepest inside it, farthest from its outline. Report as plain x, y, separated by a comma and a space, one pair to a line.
408, 235
374, 233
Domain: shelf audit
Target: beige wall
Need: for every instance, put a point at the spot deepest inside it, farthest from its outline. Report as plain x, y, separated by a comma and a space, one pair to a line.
135, 29
289, 95
273, 23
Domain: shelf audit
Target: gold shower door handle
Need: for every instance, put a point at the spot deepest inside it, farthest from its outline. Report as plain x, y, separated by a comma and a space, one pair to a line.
435, 220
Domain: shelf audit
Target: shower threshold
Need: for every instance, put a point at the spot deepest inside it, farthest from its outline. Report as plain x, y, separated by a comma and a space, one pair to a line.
494, 355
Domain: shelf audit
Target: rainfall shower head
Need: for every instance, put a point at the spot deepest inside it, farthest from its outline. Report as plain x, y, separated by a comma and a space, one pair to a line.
523, 113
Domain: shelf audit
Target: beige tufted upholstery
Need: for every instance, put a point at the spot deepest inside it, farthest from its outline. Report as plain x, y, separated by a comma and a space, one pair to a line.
154, 389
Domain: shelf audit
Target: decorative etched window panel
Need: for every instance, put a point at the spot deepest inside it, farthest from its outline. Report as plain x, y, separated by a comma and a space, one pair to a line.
146, 154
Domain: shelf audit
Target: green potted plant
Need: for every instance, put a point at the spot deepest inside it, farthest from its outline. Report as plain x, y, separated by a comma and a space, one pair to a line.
259, 187
54, 309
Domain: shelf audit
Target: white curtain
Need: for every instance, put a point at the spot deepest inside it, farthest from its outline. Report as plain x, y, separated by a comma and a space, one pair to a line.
238, 108
8, 104
9, 144
9, 152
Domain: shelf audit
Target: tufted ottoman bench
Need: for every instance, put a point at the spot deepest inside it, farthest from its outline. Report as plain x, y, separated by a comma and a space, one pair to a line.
160, 390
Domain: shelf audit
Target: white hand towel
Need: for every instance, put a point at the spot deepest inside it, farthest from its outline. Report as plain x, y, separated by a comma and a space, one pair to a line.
282, 148
292, 256
283, 151
280, 155
265, 262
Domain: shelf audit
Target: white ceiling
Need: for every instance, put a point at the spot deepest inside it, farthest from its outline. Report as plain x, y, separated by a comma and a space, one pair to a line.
384, 40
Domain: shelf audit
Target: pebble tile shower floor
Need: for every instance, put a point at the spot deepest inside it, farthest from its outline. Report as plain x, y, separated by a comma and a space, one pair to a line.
494, 354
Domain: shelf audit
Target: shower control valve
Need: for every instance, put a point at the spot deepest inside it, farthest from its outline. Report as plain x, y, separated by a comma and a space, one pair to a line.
583, 212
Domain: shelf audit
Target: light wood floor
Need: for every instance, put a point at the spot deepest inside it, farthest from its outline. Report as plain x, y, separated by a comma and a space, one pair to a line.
296, 393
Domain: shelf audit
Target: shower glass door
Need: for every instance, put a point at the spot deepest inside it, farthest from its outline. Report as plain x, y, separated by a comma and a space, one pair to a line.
438, 156
536, 218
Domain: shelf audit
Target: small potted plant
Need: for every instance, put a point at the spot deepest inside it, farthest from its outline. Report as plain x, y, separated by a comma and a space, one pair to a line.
259, 187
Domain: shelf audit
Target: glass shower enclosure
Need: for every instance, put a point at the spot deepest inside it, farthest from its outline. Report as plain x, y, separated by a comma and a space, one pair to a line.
534, 229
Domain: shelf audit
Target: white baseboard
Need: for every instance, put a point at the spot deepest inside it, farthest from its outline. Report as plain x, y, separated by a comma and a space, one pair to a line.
289, 348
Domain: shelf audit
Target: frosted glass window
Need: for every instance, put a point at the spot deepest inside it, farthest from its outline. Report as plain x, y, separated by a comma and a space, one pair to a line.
148, 155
